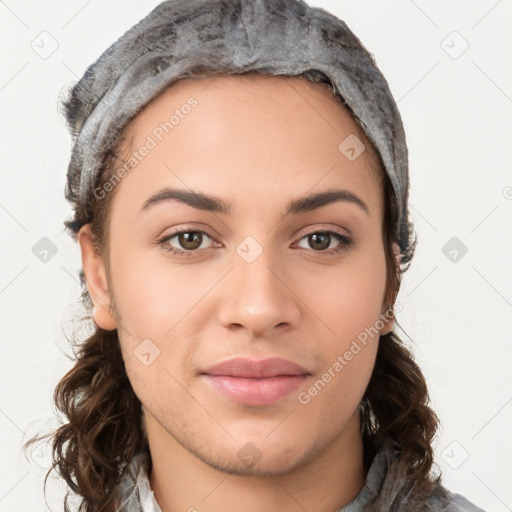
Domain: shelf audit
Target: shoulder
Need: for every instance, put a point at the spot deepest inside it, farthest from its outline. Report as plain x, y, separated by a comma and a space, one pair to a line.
441, 500
458, 503
387, 490
401, 495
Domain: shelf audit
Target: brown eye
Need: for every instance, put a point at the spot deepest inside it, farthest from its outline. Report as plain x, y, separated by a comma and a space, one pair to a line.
186, 242
320, 241
190, 240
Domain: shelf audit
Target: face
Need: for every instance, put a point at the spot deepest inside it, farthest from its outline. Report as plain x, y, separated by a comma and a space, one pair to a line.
258, 272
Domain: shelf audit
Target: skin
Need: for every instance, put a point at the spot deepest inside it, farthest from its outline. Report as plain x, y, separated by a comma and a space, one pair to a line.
256, 143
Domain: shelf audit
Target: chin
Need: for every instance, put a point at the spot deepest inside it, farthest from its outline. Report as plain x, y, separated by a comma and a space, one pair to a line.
257, 457
264, 463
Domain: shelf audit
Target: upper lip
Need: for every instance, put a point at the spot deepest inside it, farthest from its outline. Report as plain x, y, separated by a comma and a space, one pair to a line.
249, 368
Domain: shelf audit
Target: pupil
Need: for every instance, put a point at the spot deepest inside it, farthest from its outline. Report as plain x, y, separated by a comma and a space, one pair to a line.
323, 237
189, 240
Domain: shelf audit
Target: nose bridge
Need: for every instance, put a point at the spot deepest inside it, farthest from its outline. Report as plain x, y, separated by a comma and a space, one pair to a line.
258, 298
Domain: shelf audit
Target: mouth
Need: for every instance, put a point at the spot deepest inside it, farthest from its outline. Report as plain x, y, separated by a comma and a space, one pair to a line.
256, 383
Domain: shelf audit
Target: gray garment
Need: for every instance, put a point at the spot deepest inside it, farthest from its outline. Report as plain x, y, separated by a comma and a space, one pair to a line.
381, 492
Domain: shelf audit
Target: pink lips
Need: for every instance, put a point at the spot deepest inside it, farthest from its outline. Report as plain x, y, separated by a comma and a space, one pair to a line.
252, 382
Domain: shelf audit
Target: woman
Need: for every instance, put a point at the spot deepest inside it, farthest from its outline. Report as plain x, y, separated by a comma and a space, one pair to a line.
239, 180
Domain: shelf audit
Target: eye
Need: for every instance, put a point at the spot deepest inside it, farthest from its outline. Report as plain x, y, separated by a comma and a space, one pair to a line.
321, 240
189, 240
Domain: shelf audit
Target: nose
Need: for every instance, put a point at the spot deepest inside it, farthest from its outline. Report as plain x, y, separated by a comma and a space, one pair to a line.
260, 297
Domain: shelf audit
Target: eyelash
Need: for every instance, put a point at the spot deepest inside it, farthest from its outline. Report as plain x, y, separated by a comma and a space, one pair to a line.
344, 245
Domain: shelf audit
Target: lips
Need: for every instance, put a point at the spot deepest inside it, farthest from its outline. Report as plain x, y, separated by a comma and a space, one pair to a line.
247, 368
256, 383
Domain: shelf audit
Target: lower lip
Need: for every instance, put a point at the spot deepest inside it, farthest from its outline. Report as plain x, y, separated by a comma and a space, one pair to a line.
256, 391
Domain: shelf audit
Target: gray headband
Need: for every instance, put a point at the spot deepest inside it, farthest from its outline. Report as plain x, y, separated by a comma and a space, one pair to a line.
198, 38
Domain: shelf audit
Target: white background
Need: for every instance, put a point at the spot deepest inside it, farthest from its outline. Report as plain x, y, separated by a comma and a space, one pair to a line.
457, 114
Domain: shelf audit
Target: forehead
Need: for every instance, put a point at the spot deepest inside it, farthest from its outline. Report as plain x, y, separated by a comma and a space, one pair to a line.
249, 131
234, 97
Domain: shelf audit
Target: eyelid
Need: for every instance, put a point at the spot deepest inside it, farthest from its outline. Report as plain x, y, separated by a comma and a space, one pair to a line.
344, 239
164, 239
300, 234
323, 228
189, 228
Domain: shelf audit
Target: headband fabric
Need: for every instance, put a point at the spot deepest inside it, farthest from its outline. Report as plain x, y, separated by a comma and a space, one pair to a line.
198, 38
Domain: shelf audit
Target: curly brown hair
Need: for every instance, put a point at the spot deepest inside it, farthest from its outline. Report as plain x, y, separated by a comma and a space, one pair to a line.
105, 426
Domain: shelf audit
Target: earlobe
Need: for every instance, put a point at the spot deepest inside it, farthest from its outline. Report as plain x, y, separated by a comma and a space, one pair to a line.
95, 275
388, 316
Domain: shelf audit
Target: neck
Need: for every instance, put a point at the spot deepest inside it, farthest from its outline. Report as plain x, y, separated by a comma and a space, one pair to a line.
183, 482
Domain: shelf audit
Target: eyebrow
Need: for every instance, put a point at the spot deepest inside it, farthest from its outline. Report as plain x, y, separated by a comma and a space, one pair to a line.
214, 204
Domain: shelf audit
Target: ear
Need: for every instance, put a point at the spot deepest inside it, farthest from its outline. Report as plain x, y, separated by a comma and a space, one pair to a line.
387, 315
96, 279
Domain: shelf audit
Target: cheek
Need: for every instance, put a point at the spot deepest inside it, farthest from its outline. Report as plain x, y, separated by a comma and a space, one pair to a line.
348, 304
161, 314
348, 300
149, 295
